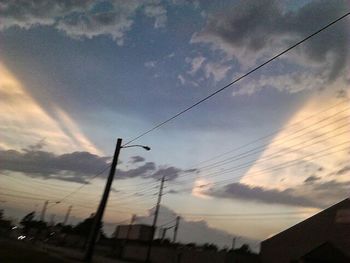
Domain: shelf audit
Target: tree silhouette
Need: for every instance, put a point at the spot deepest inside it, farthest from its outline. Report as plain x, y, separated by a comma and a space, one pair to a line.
28, 222
83, 228
244, 249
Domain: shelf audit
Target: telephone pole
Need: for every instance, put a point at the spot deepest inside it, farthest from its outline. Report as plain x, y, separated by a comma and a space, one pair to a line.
52, 220
132, 220
155, 218
234, 243
43, 211
176, 228
99, 213
67, 215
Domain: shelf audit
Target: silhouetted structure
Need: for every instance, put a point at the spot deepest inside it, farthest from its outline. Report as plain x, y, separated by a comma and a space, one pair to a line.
137, 232
325, 236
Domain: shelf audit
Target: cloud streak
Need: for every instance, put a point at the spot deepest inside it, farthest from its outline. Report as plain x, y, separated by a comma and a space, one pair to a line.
23, 120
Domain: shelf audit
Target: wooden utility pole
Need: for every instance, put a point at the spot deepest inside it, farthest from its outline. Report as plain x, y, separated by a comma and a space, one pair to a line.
67, 215
176, 228
101, 208
42, 216
155, 218
234, 243
132, 220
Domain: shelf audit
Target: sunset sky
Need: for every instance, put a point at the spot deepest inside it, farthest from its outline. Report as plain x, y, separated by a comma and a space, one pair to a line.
258, 157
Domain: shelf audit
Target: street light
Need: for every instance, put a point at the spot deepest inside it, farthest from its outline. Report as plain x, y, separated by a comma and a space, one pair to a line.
138, 145
99, 214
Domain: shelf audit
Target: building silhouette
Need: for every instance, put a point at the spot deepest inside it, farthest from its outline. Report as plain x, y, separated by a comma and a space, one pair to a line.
324, 237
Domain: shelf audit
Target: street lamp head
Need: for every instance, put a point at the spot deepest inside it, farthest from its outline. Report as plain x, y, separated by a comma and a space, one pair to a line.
137, 145
146, 148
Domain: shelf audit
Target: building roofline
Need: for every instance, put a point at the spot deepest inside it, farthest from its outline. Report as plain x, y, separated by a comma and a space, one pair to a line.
334, 206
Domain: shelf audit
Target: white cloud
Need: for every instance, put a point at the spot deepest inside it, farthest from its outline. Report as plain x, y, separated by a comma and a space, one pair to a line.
159, 13
181, 79
150, 64
196, 64
216, 70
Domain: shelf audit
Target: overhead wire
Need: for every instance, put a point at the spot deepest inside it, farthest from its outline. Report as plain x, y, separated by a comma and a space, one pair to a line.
277, 167
236, 80
277, 154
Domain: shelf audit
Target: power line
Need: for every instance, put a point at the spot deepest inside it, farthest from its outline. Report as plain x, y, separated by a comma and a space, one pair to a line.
276, 167
237, 79
253, 150
244, 214
144, 190
276, 154
274, 132
82, 186
258, 149
23, 196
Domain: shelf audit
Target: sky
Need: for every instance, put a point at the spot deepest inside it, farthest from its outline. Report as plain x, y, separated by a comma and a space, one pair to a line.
258, 157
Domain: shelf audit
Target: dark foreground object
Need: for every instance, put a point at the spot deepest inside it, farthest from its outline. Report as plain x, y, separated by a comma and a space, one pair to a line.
17, 252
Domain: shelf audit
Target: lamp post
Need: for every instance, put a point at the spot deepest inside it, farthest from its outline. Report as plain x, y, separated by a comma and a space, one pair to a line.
99, 213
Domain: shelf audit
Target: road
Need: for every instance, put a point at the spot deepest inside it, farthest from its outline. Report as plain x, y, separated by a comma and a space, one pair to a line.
12, 251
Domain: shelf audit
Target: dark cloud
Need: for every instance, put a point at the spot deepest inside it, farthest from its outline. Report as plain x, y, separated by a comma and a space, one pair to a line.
170, 173
142, 171
256, 29
137, 159
313, 193
38, 146
262, 195
332, 186
172, 191
193, 170
80, 18
326, 193
343, 170
76, 166
311, 179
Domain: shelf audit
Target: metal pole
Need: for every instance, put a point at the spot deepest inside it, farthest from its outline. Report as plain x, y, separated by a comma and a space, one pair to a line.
155, 219
99, 214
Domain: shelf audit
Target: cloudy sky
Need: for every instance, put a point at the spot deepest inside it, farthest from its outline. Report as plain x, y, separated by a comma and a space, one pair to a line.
253, 160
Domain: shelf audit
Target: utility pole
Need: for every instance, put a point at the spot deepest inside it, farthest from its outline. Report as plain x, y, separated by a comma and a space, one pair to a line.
164, 233
176, 228
52, 220
67, 215
132, 220
233, 243
155, 219
99, 213
42, 216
